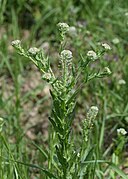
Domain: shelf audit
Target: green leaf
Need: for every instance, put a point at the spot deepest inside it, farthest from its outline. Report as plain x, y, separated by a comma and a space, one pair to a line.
73, 159
53, 123
71, 116
58, 108
52, 94
48, 173
58, 121
87, 154
44, 153
61, 159
117, 170
72, 97
56, 128
111, 165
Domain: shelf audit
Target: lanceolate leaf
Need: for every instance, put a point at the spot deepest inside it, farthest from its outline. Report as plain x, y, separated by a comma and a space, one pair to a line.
43, 152
73, 96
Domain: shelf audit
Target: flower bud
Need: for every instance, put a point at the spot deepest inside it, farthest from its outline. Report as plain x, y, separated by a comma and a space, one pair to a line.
63, 27
92, 113
106, 46
16, 43
92, 55
66, 55
33, 51
106, 71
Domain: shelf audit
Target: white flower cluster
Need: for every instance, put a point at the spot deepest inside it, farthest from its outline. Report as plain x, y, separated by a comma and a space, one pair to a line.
106, 46
92, 55
92, 113
121, 131
63, 27
33, 50
107, 71
66, 55
16, 43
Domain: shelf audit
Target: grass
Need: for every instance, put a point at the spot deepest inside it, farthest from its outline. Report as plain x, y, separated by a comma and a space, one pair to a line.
25, 100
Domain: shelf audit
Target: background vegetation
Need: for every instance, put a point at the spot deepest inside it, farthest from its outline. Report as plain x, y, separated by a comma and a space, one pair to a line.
24, 97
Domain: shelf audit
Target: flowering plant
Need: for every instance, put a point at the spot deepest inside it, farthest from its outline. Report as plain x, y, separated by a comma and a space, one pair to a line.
65, 161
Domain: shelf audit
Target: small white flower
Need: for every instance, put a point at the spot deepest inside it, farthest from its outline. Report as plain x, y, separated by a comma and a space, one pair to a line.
121, 131
92, 55
33, 50
63, 27
66, 55
107, 71
16, 43
92, 113
121, 82
116, 41
106, 46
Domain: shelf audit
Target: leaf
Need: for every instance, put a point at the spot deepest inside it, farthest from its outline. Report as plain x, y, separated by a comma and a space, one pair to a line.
71, 116
111, 165
52, 94
70, 85
61, 159
53, 123
87, 154
73, 96
41, 150
58, 121
57, 107
56, 128
48, 173
117, 170
73, 159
